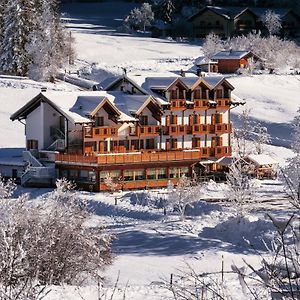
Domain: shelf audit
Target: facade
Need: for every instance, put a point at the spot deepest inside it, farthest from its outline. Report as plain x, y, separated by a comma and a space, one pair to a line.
230, 21
231, 61
171, 126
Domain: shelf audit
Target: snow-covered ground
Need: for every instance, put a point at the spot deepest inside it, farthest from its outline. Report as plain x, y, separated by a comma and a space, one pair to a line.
150, 246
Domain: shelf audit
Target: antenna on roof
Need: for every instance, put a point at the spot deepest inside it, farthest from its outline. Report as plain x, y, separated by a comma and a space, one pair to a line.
43, 89
124, 70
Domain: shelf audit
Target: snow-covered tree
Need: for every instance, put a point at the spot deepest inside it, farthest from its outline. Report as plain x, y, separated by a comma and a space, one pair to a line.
185, 193
292, 171
242, 134
140, 17
33, 41
262, 138
241, 188
47, 242
212, 45
272, 22
18, 21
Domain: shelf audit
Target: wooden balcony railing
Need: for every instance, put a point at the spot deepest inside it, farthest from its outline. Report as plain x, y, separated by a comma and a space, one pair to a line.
174, 130
200, 104
223, 103
202, 129
144, 157
148, 130
100, 132
223, 128
178, 104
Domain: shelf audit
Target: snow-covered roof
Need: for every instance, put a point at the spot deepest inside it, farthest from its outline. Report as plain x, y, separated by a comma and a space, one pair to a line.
262, 159
230, 54
78, 106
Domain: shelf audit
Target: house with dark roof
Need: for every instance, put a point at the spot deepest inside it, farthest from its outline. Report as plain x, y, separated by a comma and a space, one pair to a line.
229, 21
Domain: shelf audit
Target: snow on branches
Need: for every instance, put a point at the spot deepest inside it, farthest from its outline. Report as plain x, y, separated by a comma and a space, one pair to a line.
33, 39
48, 242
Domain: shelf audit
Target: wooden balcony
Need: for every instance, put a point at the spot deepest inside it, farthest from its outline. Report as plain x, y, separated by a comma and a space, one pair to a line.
223, 103
178, 104
200, 104
223, 128
148, 130
100, 132
175, 130
144, 157
202, 129
221, 151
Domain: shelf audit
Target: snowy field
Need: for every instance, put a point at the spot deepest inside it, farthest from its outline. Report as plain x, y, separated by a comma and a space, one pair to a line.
150, 246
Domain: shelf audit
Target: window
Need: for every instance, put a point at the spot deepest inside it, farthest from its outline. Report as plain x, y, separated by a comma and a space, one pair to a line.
150, 144
161, 173
73, 173
139, 174
115, 175
174, 173
144, 120
64, 174
128, 175
151, 174
99, 121
179, 172
32, 144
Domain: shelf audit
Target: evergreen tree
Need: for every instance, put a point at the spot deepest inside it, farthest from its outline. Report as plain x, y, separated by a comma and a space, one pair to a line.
17, 24
166, 10
34, 41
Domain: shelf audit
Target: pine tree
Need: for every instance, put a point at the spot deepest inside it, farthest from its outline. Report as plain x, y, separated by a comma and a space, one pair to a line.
17, 24
166, 10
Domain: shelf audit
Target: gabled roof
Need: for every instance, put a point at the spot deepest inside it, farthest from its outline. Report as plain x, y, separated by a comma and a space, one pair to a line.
225, 12
108, 84
230, 54
79, 107
261, 159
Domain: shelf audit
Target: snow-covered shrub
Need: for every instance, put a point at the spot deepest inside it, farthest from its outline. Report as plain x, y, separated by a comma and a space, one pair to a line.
241, 188
7, 188
185, 193
291, 173
48, 242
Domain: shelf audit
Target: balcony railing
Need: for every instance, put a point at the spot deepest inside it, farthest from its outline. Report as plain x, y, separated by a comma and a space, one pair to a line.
223, 103
200, 103
148, 130
100, 132
144, 157
223, 128
173, 130
202, 129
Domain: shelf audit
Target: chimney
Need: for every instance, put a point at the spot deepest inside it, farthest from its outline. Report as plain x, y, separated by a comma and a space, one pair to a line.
182, 73
43, 89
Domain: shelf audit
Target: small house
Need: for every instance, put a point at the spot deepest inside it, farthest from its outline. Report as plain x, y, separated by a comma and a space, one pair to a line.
231, 61
262, 165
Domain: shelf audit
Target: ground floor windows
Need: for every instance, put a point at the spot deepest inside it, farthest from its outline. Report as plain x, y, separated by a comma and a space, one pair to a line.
115, 175
178, 172
132, 175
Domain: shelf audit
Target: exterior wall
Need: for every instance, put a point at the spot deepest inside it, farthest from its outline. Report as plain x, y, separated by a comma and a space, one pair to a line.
34, 127
245, 23
208, 22
228, 65
6, 171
